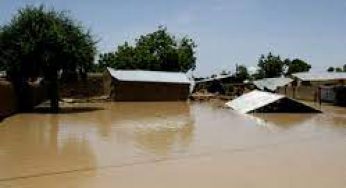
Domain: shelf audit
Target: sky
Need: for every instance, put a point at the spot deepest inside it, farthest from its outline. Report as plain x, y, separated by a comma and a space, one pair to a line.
227, 32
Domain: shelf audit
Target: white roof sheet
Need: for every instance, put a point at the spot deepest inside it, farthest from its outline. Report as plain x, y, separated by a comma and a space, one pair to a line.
253, 100
149, 76
272, 83
307, 76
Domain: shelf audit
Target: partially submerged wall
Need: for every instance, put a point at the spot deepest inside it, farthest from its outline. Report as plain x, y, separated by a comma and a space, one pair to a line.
8, 102
307, 93
91, 87
145, 91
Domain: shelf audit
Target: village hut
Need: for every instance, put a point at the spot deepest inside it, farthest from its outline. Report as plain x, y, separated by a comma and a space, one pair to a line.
141, 85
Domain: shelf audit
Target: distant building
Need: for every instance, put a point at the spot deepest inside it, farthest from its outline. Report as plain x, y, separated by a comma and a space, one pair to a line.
325, 78
314, 86
140, 85
328, 94
221, 84
272, 84
222, 78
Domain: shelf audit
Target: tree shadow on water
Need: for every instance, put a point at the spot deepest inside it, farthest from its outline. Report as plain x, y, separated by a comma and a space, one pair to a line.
67, 110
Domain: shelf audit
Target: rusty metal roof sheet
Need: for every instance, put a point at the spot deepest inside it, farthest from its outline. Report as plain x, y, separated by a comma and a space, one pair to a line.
149, 76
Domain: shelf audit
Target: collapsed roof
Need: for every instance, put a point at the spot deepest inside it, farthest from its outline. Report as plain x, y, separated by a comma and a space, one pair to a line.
264, 102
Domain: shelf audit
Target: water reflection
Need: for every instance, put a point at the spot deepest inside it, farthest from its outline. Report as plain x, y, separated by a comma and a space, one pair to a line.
33, 145
159, 128
282, 120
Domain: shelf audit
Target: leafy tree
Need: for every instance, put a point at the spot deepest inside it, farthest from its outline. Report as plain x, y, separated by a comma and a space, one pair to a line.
242, 73
39, 43
296, 65
154, 51
270, 66
338, 69
2, 67
331, 69
344, 68
224, 72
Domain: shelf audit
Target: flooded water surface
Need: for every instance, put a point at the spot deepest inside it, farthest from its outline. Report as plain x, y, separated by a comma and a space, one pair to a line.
172, 145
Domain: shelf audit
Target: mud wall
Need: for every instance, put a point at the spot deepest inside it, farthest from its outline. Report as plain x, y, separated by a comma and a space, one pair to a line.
301, 92
8, 102
144, 91
91, 87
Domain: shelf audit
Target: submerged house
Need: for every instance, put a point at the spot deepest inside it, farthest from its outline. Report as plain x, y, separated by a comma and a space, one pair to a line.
265, 102
140, 85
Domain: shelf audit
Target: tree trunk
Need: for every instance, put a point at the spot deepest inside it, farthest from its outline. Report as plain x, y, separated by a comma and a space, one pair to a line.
54, 92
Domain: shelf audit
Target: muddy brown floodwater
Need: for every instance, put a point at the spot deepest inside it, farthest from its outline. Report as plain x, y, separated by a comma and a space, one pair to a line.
172, 145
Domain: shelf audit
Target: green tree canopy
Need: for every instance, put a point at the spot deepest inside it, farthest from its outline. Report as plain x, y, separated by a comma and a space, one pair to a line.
338, 69
270, 66
331, 69
296, 65
40, 42
158, 51
242, 73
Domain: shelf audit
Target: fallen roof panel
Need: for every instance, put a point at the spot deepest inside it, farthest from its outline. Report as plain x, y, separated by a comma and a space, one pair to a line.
149, 76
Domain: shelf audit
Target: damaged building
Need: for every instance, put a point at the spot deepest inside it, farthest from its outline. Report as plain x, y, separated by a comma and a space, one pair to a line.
265, 102
141, 85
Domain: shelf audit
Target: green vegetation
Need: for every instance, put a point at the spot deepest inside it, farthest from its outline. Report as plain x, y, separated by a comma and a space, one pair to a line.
337, 69
159, 51
331, 69
296, 65
40, 42
272, 66
241, 73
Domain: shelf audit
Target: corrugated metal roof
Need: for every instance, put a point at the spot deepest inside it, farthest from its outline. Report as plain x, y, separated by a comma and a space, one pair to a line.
253, 100
149, 76
218, 77
272, 83
307, 76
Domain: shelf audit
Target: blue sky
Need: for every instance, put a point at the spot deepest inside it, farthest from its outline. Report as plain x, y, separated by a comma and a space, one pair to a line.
226, 31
